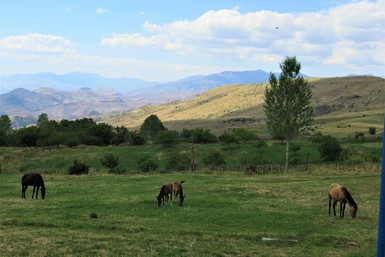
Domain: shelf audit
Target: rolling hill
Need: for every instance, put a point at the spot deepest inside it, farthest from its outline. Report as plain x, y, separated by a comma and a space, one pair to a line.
345, 104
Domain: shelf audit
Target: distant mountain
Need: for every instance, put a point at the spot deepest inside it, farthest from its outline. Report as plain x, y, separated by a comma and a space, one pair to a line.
70, 81
188, 87
76, 94
65, 104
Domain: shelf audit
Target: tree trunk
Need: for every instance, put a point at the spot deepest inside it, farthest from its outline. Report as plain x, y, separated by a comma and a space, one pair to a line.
287, 156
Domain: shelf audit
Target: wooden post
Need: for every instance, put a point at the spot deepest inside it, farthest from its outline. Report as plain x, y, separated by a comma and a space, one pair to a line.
307, 161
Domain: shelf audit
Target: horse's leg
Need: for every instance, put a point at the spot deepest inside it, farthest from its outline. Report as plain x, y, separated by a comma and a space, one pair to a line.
33, 192
330, 204
37, 192
334, 207
343, 209
23, 189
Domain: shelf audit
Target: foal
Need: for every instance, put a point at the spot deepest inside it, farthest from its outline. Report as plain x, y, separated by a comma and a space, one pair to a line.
35, 180
341, 194
164, 194
178, 190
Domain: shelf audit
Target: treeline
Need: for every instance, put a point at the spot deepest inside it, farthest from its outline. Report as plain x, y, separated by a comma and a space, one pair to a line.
86, 131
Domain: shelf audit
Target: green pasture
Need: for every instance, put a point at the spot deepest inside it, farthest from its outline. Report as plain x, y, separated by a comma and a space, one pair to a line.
59, 159
226, 214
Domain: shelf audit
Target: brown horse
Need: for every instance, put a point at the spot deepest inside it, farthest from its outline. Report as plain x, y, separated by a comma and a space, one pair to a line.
35, 180
340, 194
164, 194
178, 190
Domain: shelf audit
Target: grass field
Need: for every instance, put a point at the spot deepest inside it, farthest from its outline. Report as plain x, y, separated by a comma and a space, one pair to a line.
224, 214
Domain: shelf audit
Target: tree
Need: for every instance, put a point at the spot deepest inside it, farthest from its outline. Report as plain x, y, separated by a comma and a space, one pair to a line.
5, 129
287, 104
151, 127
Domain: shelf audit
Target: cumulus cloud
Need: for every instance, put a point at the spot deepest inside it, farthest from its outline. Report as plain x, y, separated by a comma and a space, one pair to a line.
39, 43
339, 35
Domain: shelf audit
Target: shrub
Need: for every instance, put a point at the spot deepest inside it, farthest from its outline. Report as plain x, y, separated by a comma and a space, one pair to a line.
214, 159
330, 148
199, 136
372, 131
93, 215
111, 162
78, 168
228, 138
146, 163
244, 134
178, 161
135, 138
167, 138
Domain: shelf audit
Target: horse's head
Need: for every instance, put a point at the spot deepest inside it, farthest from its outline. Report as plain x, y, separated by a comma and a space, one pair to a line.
181, 200
159, 198
353, 211
42, 192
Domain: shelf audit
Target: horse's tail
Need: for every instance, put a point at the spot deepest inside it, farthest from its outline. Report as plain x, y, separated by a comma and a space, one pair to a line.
182, 182
349, 197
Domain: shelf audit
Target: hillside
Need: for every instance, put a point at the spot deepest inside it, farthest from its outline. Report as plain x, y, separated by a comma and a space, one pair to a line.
347, 103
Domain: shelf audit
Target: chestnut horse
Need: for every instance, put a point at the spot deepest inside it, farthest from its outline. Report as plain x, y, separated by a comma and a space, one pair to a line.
340, 194
164, 194
35, 180
178, 190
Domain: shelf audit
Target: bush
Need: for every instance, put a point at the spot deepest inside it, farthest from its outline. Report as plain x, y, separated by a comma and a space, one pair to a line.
78, 168
178, 161
146, 164
214, 159
228, 138
330, 148
111, 162
372, 131
199, 136
244, 134
136, 139
167, 138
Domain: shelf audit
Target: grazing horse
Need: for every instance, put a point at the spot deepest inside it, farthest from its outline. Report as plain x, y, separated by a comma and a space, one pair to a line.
178, 190
341, 194
164, 194
35, 180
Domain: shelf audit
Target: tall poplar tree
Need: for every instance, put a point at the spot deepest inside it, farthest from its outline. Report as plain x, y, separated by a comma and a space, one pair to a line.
287, 104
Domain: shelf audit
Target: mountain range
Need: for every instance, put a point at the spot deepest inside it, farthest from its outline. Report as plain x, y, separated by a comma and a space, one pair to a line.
77, 95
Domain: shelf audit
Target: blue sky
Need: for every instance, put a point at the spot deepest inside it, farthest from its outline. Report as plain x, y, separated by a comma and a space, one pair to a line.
168, 40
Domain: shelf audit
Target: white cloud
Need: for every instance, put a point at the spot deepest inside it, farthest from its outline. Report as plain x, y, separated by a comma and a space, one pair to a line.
340, 35
101, 10
38, 43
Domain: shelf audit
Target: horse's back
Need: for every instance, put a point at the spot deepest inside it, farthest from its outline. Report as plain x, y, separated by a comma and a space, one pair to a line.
336, 191
32, 179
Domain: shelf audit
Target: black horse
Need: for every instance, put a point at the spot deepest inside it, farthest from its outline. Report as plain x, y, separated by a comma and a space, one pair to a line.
35, 180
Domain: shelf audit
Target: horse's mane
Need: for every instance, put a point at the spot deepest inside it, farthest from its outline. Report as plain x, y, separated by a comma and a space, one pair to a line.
349, 197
